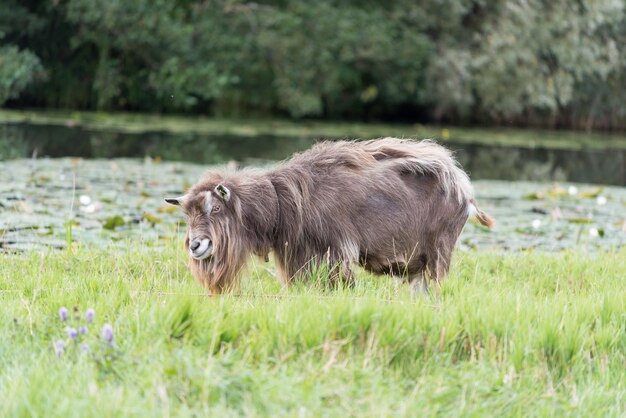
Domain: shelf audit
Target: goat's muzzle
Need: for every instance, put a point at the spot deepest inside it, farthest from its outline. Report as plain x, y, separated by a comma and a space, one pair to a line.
199, 249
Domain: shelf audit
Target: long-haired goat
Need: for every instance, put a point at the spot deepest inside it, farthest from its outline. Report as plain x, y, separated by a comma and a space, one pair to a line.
393, 206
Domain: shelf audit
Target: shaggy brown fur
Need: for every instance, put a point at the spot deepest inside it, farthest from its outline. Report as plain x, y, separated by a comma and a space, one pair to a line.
393, 206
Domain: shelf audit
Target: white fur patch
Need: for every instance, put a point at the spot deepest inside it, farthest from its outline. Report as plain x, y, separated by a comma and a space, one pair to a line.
208, 202
471, 210
428, 157
350, 250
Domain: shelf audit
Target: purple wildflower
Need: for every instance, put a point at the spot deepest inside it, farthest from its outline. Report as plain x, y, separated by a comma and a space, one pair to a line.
59, 347
89, 315
107, 333
63, 313
84, 347
72, 333
83, 330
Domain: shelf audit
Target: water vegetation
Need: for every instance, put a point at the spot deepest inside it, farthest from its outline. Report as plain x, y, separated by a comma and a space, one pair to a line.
62, 203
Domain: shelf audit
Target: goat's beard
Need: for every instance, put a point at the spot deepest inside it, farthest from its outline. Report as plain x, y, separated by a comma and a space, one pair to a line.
219, 271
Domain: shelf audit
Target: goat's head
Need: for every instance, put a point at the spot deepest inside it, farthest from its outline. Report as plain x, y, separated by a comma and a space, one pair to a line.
214, 239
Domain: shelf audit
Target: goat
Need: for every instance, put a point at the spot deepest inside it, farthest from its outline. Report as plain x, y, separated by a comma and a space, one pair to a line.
393, 206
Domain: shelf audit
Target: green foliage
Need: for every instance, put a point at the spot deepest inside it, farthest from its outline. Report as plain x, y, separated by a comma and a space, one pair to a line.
139, 45
364, 54
539, 62
536, 54
504, 335
17, 70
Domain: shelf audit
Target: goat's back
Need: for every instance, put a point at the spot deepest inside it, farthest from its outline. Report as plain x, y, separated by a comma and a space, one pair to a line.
381, 199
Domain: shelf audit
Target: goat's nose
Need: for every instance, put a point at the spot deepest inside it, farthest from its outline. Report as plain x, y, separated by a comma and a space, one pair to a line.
194, 244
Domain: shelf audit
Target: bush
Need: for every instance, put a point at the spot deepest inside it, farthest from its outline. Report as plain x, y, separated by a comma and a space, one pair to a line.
528, 62
17, 70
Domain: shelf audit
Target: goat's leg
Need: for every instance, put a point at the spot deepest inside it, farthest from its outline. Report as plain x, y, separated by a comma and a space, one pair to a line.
418, 284
341, 273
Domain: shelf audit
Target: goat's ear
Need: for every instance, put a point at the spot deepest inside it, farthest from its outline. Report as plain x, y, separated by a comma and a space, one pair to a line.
177, 201
223, 192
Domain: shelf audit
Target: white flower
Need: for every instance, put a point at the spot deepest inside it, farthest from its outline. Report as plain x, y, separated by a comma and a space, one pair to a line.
572, 190
601, 200
92, 207
536, 223
84, 200
594, 232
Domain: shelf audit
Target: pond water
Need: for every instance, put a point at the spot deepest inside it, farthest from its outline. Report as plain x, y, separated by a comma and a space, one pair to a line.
482, 161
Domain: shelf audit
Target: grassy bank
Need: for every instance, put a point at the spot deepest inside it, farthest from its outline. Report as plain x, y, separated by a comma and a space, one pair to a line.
506, 335
140, 123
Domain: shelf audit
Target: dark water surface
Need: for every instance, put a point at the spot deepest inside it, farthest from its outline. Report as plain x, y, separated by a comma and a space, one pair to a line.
600, 166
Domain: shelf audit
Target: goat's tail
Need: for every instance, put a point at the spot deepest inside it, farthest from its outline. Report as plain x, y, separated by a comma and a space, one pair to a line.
482, 217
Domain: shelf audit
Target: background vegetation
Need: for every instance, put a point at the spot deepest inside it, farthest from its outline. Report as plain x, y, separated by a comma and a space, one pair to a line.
554, 63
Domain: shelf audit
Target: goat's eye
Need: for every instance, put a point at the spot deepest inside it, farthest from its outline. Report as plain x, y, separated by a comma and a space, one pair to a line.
216, 208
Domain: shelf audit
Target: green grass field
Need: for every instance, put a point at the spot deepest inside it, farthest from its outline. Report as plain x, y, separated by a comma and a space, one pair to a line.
527, 334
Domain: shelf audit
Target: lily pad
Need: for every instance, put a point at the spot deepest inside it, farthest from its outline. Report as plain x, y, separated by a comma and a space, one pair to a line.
113, 222
535, 196
167, 209
579, 221
151, 218
591, 194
